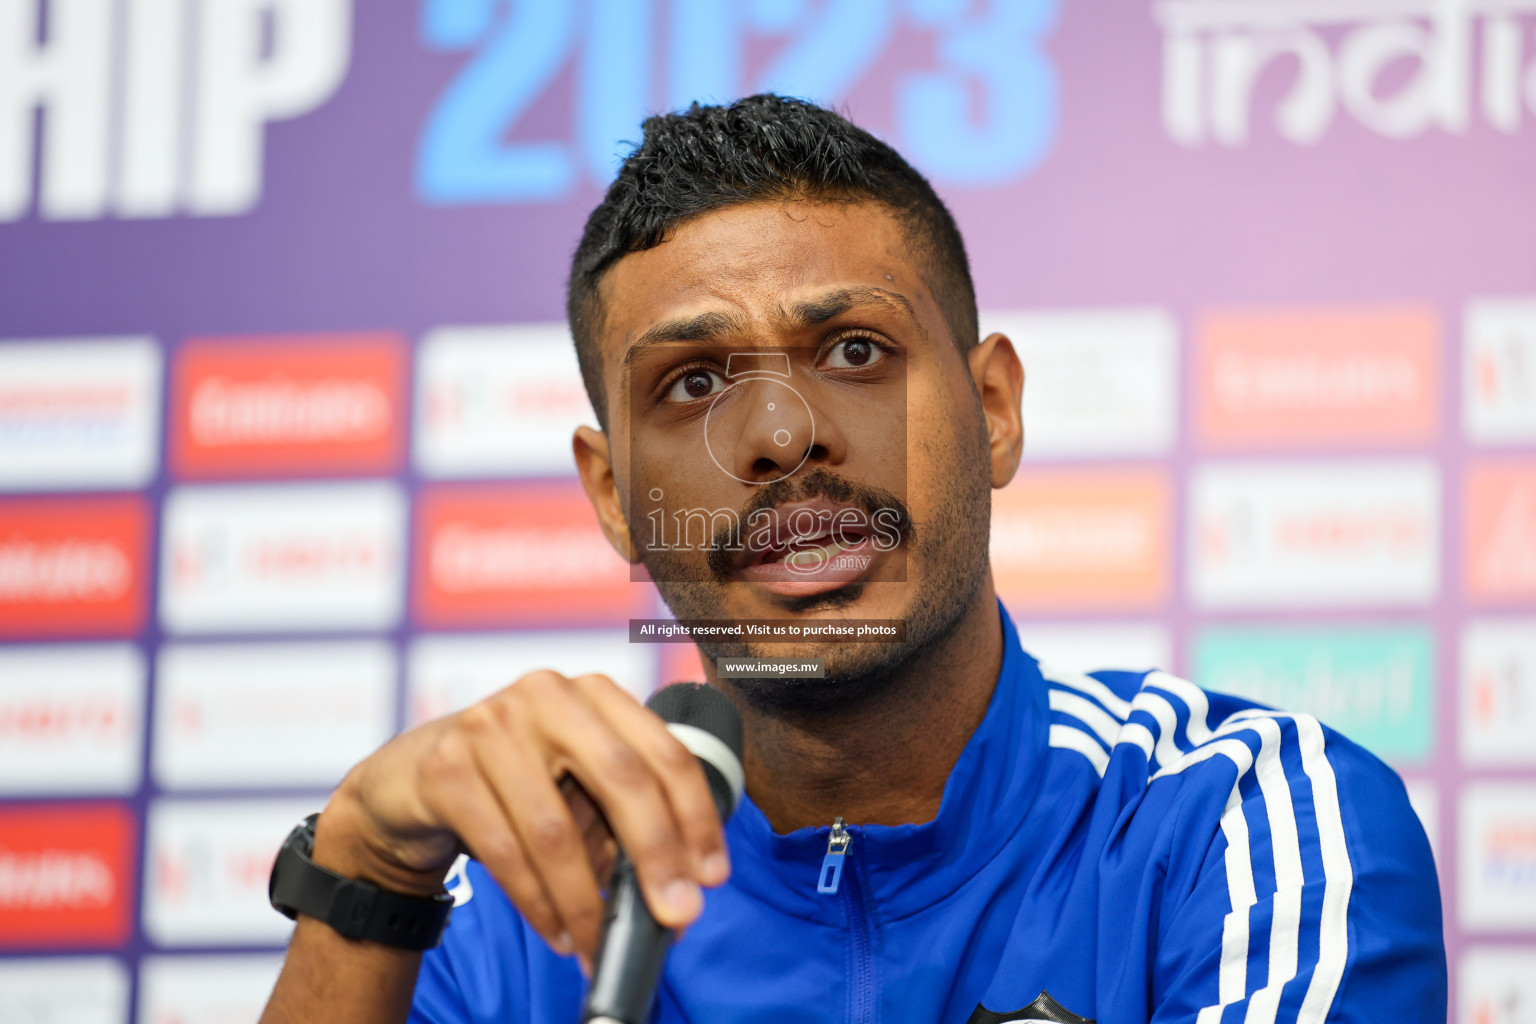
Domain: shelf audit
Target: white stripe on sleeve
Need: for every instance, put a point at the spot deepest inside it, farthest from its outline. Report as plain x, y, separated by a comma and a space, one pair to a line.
1085, 711
1067, 738
1083, 683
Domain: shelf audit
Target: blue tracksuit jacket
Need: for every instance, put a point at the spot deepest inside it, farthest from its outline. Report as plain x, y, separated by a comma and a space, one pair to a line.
1136, 847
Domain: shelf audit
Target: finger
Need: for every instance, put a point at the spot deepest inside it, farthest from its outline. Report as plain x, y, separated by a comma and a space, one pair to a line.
680, 774
459, 797
510, 760
587, 815
601, 848
628, 791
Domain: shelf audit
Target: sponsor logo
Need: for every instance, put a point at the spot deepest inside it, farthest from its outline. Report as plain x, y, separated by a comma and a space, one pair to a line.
1373, 685
1100, 382
1350, 58
458, 882
1043, 1008
206, 870
299, 714
206, 989
1497, 857
1082, 540
321, 404
1314, 534
64, 990
487, 555
71, 719
1498, 398
1499, 531
299, 556
498, 401
448, 673
73, 566
79, 413
1498, 692
65, 875
1088, 646
1495, 985
1329, 378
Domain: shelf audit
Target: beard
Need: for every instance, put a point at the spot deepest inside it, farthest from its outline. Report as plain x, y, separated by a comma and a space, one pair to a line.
946, 562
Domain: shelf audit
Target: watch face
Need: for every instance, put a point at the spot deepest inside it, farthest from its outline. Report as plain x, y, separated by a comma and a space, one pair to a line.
294, 854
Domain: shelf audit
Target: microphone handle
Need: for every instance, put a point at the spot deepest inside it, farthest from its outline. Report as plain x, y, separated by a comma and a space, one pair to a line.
623, 986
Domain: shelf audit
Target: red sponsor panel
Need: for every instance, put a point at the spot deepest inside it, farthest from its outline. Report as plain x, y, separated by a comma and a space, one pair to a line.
73, 566
1499, 542
1329, 378
1081, 540
323, 403
66, 875
517, 555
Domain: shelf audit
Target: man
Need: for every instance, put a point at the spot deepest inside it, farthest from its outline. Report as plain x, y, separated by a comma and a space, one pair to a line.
1128, 845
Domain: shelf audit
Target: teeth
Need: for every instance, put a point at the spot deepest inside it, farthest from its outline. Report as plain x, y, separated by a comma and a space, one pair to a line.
814, 556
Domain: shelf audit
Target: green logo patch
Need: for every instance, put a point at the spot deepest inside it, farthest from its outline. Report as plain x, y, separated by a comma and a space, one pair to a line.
1373, 684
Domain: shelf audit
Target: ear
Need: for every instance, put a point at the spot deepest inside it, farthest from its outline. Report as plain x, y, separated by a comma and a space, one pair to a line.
594, 463
999, 378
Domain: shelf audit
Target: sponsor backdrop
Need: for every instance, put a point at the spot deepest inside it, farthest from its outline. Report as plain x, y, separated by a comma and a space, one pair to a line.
285, 400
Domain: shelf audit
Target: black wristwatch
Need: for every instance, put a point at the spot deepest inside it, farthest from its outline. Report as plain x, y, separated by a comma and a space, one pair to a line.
357, 909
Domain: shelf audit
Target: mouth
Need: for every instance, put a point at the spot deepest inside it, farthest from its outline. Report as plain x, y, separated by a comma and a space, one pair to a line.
811, 547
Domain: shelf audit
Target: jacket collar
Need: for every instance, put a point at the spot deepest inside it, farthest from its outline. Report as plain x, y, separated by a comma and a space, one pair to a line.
901, 869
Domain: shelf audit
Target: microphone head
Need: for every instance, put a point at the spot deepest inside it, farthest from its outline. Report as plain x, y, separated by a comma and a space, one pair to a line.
706, 722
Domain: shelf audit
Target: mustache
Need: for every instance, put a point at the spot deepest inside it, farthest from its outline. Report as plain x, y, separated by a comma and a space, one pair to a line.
726, 541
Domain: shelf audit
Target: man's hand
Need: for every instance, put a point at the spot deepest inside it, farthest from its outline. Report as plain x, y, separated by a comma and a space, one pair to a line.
536, 782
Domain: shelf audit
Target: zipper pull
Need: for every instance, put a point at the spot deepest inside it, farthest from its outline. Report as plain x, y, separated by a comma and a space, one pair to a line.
832, 864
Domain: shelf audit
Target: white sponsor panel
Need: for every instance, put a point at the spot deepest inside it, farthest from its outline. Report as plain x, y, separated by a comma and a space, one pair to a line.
1496, 985
206, 865
498, 401
221, 988
251, 558
1096, 382
290, 714
1424, 797
1337, 533
1090, 646
1496, 857
71, 719
79, 413
1498, 387
63, 990
447, 673
1498, 692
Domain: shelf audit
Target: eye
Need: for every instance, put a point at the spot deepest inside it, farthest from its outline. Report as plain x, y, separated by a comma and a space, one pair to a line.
854, 353
695, 384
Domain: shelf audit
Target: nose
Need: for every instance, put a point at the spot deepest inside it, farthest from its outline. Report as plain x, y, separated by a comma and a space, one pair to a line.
771, 431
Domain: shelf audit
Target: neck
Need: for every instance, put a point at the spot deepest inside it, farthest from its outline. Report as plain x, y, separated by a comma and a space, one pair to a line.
886, 760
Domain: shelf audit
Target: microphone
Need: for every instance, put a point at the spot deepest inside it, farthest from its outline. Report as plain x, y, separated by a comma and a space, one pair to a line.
634, 946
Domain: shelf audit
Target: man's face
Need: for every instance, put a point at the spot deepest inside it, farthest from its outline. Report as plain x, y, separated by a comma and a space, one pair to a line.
794, 433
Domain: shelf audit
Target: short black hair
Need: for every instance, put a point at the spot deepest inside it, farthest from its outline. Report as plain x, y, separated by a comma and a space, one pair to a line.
763, 147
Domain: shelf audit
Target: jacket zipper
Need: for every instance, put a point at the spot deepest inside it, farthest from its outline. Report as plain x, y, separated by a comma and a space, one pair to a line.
830, 882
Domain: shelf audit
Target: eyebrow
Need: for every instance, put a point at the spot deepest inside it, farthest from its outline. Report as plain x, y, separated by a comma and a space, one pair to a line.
813, 312
714, 325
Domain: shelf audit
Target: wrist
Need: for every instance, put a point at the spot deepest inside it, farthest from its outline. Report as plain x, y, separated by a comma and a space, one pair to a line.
355, 908
344, 844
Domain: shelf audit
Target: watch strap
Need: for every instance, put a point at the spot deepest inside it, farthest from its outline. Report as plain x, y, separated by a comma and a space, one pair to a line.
354, 907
